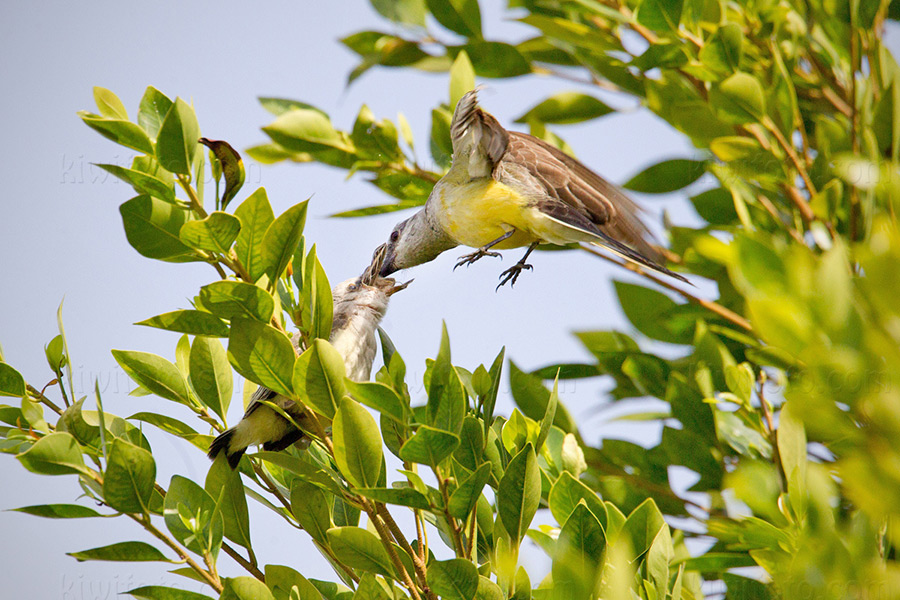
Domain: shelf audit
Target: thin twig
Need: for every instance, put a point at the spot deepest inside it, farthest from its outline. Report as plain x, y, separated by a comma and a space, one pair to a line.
451, 522
385, 537
44, 399
249, 566
711, 306
192, 196
397, 533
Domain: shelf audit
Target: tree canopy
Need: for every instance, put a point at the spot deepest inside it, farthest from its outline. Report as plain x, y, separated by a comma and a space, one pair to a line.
781, 399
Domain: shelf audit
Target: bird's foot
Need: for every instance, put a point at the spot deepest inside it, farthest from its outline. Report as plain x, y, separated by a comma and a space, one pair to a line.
512, 274
468, 259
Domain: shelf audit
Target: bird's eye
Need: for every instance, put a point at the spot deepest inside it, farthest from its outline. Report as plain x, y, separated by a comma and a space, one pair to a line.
395, 235
352, 287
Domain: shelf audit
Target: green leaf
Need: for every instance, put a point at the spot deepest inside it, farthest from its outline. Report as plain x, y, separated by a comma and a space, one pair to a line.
317, 291
232, 168
519, 492
215, 233
153, 373
357, 444
446, 406
659, 15
429, 446
567, 493
153, 109
532, 398
281, 240
723, 51
121, 552
667, 176
566, 108
739, 99
462, 77
318, 377
152, 227
306, 130
496, 59
310, 505
282, 581
109, 104
360, 549
224, 485
262, 354
401, 496
651, 313
11, 381
54, 454
177, 140
193, 322
256, 215
460, 16
380, 397
211, 374
129, 478
791, 439
549, 415
408, 12
245, 588
59, 511
718, 561
642, 526
159, 592
172, 426
124, 133
191, 516
455, 579
465, 496
236, 299
143, 183
579, 550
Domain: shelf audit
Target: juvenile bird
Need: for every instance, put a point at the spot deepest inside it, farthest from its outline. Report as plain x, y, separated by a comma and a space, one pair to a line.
358, 309
507, 189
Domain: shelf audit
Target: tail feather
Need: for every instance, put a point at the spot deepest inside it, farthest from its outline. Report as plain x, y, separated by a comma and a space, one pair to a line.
222, 444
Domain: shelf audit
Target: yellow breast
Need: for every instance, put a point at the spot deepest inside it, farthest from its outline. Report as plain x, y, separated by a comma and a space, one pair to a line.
477, 212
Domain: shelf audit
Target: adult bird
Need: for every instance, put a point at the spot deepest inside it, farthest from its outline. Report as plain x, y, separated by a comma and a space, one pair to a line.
507, 189
358, 309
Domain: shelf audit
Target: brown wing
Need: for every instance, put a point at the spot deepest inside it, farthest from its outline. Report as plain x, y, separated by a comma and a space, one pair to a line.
599, 202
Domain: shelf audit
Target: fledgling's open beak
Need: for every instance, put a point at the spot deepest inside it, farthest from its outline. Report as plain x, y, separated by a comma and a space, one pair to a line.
390, 286
375, 266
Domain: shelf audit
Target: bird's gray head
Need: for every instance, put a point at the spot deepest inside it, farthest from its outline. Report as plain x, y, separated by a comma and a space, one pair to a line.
353, 295
418, 239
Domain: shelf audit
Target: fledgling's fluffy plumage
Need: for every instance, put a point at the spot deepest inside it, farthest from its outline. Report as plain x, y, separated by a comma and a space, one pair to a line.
358, 309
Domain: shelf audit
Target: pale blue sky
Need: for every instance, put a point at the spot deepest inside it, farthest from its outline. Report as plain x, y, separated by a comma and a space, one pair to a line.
61, 235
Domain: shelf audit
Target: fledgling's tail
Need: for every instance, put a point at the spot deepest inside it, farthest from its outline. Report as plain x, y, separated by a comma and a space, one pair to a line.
223, 444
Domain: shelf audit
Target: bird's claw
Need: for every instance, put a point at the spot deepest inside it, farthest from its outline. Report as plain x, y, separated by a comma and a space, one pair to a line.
468, 259
512, 274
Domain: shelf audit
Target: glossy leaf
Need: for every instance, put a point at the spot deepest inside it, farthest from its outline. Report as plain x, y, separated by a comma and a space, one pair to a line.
565, 108
11, 382
281, 240
129, 478
262, 354
739, 99
429, 446
236, 299
153, 373
456, 579
232, 168
153, 109
380, 397
191, 516
519, 493
152, 227
224, 485
121, 552
143, 183
360, 549
215, 233
59, 511
193, 322
310, 506
318, 377
667, 176
177, 140
158, 592
124, 133
357, 444
211, 374
256, 215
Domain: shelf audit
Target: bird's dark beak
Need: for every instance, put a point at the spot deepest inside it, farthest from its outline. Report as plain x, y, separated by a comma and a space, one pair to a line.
387, 265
